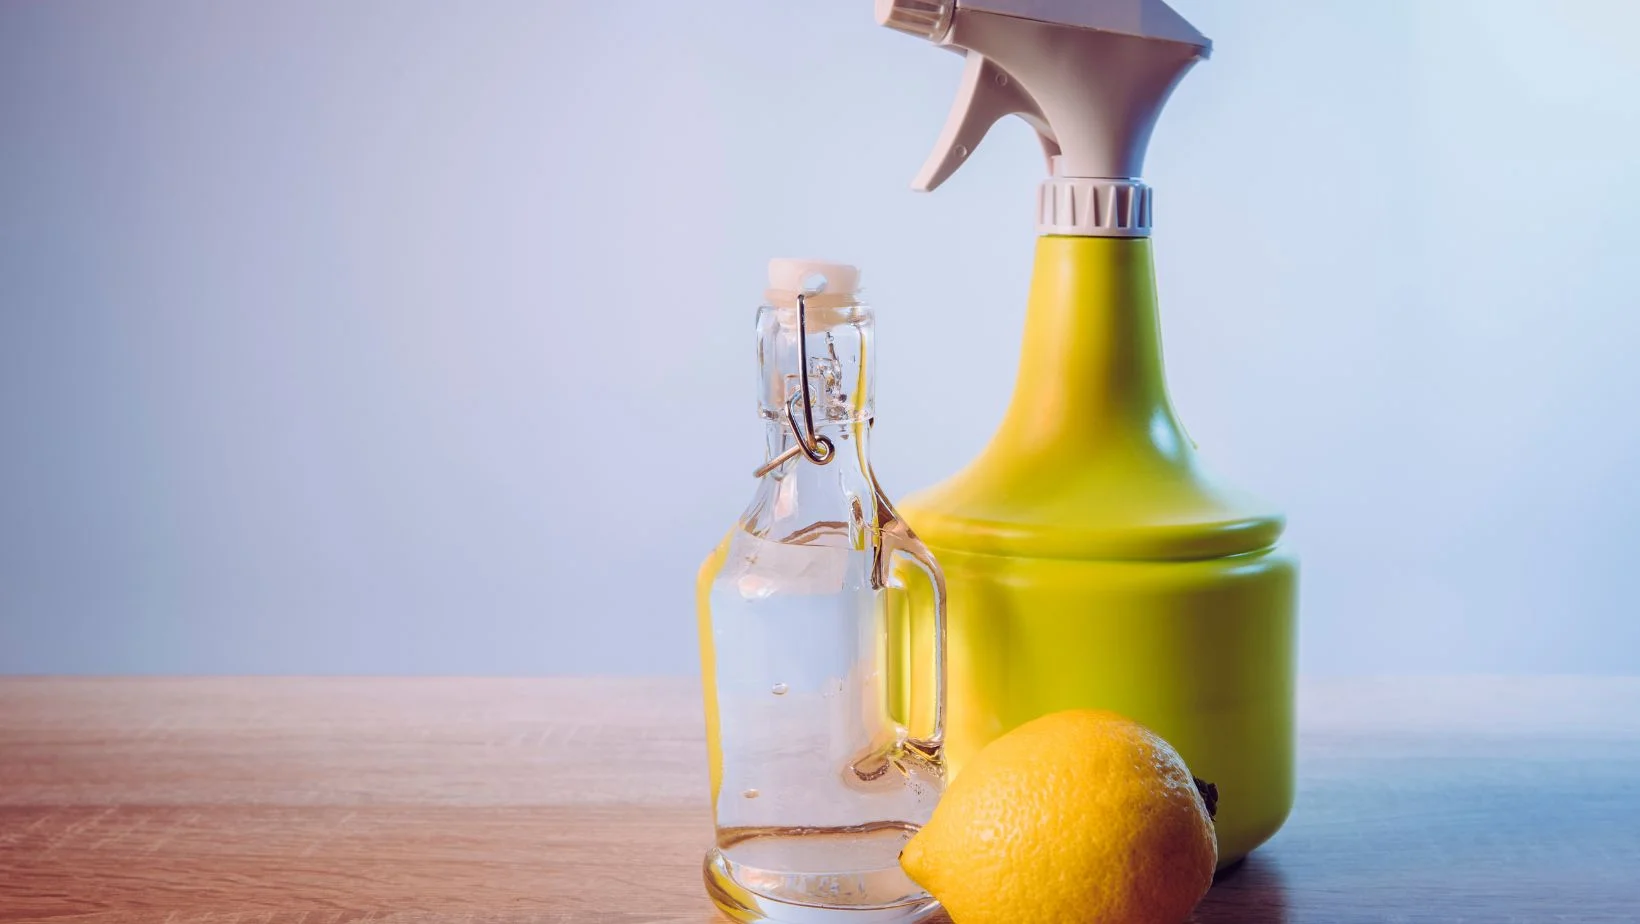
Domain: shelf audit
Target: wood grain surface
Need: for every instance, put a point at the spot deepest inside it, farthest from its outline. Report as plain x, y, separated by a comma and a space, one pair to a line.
326, 801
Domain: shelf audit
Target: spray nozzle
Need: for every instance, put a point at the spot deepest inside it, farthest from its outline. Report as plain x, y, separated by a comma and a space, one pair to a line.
926, 19
1091, 76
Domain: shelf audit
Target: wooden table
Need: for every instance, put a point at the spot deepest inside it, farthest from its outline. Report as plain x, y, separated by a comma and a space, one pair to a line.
309, 801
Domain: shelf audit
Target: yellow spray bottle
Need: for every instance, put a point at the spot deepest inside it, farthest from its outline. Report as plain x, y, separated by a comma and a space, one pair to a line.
1090, 560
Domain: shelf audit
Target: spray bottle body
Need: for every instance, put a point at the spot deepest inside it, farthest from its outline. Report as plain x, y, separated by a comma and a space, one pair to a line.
1093, 563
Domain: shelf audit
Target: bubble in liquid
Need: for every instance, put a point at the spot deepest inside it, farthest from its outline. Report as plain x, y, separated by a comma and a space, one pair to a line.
780, 689
750, 794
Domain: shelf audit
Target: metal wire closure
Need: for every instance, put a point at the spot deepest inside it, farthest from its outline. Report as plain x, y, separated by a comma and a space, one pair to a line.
819, 449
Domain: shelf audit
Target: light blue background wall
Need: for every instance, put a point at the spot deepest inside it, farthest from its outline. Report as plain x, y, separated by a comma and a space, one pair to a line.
391, 336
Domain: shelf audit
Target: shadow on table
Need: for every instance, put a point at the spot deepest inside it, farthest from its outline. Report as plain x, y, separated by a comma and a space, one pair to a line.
1252, 892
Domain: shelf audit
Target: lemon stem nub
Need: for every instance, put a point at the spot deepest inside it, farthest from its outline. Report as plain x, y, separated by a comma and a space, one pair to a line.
1210, 795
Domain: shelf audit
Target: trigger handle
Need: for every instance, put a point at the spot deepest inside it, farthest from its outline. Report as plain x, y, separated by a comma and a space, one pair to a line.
986, 95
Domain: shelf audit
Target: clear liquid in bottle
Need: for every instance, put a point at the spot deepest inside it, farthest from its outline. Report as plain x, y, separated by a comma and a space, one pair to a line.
816, 786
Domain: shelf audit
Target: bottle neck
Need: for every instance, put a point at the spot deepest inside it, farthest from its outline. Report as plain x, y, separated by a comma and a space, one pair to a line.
1090, 373
800, 496
837, 498
851, 441
1090, 462
839, 344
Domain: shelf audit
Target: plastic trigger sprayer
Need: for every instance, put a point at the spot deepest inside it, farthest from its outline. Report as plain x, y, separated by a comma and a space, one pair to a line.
1091, 560
1090, 77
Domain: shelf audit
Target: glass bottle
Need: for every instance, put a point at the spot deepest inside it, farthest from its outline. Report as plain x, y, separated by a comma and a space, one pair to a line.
819, 588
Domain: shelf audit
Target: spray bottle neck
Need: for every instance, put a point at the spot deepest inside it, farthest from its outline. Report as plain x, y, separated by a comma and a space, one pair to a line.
1091, 376
1090, 461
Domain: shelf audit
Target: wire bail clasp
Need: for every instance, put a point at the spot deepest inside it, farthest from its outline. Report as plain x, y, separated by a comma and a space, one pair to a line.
819, 449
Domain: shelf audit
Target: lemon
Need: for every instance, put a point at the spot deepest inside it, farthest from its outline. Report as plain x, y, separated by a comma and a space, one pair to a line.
1080, 816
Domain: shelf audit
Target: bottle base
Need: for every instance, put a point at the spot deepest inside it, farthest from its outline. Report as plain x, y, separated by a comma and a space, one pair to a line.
806, 899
